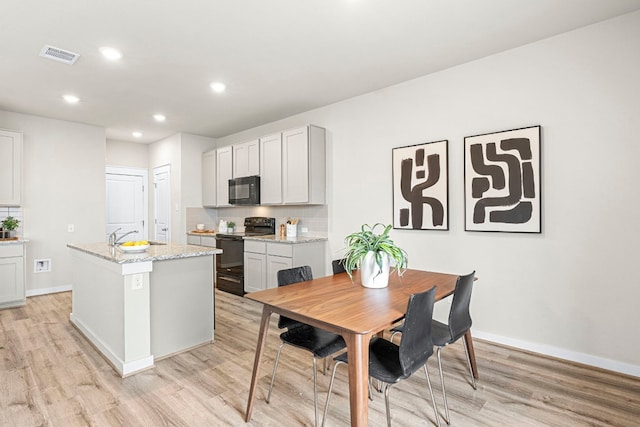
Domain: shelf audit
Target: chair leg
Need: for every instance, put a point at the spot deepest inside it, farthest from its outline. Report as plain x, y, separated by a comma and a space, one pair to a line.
433, 400
315, 389
326, 405
444, 392
466, 353
393, 335
386, 404
275, 368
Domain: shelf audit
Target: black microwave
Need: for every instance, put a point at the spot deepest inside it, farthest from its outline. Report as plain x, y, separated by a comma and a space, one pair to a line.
244, 190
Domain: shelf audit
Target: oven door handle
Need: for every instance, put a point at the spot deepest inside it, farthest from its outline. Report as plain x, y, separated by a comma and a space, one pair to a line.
229, 278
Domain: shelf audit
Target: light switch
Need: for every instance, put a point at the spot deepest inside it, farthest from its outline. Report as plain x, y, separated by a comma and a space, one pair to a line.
71, 228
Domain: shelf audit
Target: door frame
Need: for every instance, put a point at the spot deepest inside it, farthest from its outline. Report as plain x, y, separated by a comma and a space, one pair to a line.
156, 170
144, 173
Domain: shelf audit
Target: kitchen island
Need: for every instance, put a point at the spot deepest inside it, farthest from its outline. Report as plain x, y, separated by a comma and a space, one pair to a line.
136, 308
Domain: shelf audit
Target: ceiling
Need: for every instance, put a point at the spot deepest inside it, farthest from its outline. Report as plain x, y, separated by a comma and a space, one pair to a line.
277, 57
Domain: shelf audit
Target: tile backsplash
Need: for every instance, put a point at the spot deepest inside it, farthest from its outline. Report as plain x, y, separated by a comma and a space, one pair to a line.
314, 218
15, 212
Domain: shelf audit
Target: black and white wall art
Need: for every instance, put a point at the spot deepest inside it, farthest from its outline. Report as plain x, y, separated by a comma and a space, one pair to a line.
421, 186
502, 181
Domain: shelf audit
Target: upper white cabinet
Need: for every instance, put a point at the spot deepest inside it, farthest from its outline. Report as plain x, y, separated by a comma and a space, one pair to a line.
10, 168
209, 189
224, 172
271, 167
292, 165
246, 159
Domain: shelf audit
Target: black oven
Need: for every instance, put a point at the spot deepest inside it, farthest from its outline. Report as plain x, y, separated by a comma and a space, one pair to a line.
230, 263
244, 190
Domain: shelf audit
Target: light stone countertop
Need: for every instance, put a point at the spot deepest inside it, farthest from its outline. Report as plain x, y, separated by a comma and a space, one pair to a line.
153, 253
200, 233
272, 238
13, 242
290, 240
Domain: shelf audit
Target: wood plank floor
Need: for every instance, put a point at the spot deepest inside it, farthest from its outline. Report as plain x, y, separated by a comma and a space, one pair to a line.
51, 376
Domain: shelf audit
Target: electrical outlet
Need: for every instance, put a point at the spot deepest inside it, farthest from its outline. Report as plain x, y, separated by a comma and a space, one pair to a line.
41, 265
71, 228
136, 281
304, 230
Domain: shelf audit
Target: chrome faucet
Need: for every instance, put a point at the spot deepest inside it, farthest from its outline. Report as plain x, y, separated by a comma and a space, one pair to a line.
112, 236
114, 240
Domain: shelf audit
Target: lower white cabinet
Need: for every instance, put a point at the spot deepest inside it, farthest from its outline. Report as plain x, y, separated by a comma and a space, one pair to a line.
12, 292
263, 260
209, 241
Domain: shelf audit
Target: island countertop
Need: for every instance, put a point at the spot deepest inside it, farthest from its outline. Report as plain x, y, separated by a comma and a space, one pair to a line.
155, 252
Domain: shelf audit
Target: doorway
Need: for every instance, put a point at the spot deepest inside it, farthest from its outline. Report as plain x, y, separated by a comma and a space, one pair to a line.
162, 203
127, 202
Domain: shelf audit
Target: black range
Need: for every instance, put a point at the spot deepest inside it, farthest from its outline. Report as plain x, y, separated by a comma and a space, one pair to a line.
230, 263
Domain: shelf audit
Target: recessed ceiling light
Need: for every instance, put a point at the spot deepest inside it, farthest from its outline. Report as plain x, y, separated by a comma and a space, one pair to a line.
110, 53
136, 134
218, 87
159, 117
71, 99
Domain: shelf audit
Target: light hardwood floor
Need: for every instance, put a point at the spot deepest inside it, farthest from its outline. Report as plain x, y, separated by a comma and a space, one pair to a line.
49, 375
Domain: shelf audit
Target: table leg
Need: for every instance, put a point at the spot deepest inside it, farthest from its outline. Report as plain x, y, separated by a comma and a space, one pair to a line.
472, 354
358, 353
262, 339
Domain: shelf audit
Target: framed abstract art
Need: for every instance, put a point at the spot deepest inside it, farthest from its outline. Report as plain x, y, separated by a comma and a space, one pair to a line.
502, 181
421, 186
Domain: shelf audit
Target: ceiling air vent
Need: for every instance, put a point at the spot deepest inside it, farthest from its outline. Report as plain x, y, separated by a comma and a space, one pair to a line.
59, 55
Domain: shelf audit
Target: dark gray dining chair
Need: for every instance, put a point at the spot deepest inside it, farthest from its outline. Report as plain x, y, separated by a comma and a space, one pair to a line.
318, 342
458, 325
338, 266
391, 363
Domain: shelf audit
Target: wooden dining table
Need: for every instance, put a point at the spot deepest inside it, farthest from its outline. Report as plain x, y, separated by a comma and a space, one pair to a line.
340, 305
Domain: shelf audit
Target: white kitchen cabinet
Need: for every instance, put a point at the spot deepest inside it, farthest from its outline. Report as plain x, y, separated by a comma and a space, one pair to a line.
12, 289
224, 172
209, 241
281, 256
10, 168
246, 159
271, 169
209, 189
255, 266
303, 165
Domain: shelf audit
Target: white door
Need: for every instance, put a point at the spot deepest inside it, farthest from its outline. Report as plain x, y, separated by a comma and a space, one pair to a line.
126, 202
162, 193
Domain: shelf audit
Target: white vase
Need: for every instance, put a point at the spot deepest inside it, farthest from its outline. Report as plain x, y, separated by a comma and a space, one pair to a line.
371, 274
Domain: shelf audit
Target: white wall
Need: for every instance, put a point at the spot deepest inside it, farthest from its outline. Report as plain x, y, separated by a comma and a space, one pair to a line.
183, 153
161, 153
571, 291
63, 183
127, 154
192, 148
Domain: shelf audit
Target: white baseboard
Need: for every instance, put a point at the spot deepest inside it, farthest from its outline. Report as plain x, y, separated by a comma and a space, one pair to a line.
44, 291
561, 353
122, 367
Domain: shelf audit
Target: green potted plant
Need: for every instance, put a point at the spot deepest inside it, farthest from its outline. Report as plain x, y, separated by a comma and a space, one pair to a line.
8, 225
373, 253
231, 226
